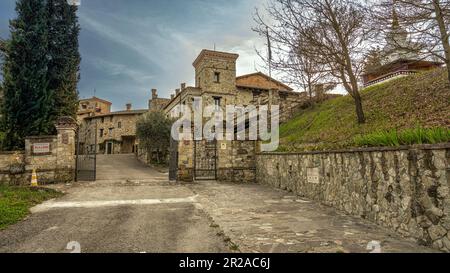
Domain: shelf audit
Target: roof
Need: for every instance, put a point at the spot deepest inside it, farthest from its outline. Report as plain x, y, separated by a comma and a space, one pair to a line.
217, 54
96, 99
120, 113
400, 61
245, 81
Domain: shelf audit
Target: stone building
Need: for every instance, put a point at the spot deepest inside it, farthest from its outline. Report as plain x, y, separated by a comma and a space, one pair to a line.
217, 84
91, 107
113, 132
156, 103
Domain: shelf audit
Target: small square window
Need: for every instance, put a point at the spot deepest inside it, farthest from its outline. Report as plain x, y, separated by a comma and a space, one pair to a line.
119, 125
101, 132
216, 77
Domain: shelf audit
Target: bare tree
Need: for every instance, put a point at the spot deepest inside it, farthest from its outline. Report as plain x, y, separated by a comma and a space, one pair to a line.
295, 66
426, 22
330, 32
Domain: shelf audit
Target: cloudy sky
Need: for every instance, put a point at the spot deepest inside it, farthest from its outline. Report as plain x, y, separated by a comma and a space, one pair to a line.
131, 46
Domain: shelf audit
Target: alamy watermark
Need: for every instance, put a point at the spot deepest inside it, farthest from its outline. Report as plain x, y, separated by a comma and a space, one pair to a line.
235, 123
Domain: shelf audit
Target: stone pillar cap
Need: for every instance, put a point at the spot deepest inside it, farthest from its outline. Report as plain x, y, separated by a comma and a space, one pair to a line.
66, 123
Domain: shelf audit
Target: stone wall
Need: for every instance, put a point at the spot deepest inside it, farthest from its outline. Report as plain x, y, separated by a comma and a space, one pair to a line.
235, 160
12, 168
44, 164
55, 166
157, 104
405, 189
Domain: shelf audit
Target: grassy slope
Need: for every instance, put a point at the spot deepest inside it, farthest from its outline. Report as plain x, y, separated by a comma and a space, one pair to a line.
422, 99
15, 202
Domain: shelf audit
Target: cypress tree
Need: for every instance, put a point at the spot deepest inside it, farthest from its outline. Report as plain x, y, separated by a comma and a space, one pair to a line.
27, 100
64, 63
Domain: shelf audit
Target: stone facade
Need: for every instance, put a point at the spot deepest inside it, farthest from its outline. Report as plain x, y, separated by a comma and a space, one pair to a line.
405, 189
155, 103
55, 166
114, 133
216, 84
91, 107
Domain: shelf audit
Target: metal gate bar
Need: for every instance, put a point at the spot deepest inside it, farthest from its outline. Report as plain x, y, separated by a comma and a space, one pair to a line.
205, 160
86, 156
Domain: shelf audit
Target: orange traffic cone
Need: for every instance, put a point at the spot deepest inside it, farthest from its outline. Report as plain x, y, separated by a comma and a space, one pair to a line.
34, 181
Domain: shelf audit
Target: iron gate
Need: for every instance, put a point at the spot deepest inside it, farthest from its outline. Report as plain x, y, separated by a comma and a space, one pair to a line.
205, 160
86, 153
173, 160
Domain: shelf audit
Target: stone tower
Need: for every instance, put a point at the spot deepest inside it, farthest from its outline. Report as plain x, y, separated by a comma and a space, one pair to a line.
215, 72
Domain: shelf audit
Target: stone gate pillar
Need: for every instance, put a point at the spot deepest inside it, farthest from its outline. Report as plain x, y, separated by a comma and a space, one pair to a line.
66, 159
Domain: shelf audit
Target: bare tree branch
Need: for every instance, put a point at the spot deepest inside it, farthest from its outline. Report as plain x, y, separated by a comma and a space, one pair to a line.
319, 41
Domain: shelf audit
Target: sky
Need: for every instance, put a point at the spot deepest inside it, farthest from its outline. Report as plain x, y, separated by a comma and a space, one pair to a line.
129, 47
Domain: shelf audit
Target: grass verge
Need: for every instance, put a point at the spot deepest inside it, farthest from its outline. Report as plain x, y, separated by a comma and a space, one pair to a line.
393, 138
402, 106
15, 202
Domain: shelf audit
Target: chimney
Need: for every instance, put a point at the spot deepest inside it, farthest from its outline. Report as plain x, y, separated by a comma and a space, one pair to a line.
128, 105
154, 94
177, 91
183, 86
172, 96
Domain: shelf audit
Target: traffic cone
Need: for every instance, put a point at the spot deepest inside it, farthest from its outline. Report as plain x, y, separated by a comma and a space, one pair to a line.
34, 181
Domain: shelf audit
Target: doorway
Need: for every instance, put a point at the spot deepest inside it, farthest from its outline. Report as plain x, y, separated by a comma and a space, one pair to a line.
109, 148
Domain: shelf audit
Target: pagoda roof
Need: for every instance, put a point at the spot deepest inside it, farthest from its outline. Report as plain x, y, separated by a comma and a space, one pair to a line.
394, 64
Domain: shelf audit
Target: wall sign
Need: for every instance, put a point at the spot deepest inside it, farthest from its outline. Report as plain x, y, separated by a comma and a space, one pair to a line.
313, 175
41, 148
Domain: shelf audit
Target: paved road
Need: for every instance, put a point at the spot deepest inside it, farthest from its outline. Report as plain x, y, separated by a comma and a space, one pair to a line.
131, 209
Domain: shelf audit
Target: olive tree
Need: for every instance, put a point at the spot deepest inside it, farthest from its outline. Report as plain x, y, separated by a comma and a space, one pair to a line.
153, 132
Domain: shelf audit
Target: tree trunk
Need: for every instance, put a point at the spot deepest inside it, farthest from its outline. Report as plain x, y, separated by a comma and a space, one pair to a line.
444, 34
359, 109
357, 98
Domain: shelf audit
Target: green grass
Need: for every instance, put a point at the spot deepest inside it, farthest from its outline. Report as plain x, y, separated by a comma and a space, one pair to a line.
15, 202
406, 137
421, 100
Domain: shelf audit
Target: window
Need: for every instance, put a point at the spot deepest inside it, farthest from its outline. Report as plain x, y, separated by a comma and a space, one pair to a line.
216, 77
217, 103
119, 125
101, 132
103, 120
110, 131
84, 106
111, 119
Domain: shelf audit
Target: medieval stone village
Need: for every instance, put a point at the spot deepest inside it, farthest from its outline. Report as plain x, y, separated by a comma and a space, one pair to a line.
374, 180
